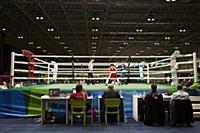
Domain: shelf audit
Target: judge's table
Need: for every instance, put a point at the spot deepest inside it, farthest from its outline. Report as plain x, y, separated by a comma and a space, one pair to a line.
46, 99
138, 104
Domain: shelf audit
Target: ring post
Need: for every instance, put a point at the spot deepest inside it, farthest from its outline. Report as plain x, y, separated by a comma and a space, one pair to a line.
48, 74
12, 68
174, 67
195, 66
129, 62
73, 76
148, 80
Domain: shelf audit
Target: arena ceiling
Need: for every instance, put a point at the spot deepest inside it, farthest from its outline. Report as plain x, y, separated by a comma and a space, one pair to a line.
102, 27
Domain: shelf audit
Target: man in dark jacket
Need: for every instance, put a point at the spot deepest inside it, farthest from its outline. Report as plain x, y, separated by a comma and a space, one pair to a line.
111, 93
154, 109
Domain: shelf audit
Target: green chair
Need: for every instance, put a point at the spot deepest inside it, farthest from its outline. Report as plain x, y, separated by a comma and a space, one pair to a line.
78, 107
112, 106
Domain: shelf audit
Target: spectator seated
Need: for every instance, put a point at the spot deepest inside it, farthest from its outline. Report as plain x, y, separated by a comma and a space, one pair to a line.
154, 109
182, 112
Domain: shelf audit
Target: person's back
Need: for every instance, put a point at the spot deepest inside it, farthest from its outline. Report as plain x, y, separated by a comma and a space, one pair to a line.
154, 109
181, 107
79, 94
179, 94
111, 93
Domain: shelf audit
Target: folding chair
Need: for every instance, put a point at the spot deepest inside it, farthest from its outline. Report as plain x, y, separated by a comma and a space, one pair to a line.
78, 107
112, 107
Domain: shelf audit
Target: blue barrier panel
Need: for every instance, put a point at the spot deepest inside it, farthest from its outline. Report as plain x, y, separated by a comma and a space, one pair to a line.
12, 103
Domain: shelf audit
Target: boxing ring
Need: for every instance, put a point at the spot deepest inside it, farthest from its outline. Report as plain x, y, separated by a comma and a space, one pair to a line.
75, 68
64, 72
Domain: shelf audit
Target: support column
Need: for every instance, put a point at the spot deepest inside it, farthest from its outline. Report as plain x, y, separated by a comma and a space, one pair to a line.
195, 66
2, 44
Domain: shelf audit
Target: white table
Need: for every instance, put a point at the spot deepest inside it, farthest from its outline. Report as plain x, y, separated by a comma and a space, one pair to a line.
46, 99
44, 105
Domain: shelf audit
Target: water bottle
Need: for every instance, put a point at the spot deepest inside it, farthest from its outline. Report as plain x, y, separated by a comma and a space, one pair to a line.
94, 115
120, 92
126, 119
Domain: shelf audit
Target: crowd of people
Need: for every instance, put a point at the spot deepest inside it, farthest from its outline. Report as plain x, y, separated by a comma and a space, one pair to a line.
5, 85
154, 109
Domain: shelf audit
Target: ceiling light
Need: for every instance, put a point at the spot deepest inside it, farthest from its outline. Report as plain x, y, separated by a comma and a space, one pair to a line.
167, 38
3, 29
65, 47
182, 30
151, 19
30, 43
57, 37
94, 37
170, 0
44, 50
95, 18
38, 47
50, 29
94, 47
69, 50
157, 43
139, 30
137, 53
39, 17
95, 30
118, 51
120, 47
20, 37
141, 51
62, 42
125, 43
187, 43
130, 37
